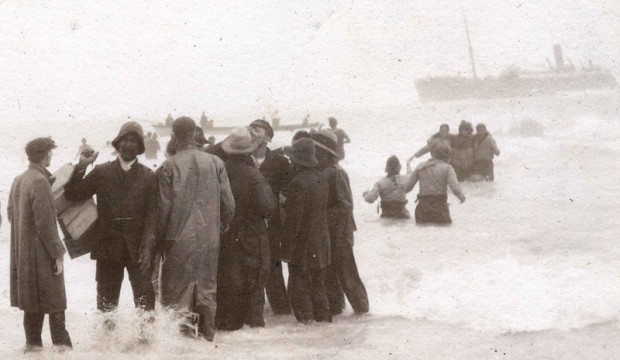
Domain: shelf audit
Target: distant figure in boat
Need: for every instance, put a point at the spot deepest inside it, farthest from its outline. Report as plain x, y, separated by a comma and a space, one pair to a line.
83, 147
435, 175
169, 121
306, 121
204, 121
485, 148
392, 189
275, 121
342, 136
152, 146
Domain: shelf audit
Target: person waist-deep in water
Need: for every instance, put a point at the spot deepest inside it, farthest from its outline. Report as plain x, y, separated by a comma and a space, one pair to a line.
435, 176
485, 148
36, 262
392, 189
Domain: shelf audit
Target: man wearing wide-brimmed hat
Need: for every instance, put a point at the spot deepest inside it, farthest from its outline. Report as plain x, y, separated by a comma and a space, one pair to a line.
125, 191
435, 176
305, 244
37, 279
277, 170
342, 274
195, 205
244, 251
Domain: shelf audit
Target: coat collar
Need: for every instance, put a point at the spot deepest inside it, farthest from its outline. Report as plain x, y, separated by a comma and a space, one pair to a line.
48, 175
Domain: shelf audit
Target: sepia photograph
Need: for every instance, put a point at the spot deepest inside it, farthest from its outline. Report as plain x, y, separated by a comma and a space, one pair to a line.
335, 179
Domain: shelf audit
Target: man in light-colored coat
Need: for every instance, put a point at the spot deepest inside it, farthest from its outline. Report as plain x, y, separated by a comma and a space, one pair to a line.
195, 205
37, 280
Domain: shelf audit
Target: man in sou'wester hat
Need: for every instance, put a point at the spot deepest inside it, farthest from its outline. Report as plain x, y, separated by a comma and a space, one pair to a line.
342, 274
244, 260
305, 243
125, 191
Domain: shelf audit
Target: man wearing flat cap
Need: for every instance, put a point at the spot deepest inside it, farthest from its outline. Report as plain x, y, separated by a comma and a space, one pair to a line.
277, 169
194, 207
126, 207
37, 280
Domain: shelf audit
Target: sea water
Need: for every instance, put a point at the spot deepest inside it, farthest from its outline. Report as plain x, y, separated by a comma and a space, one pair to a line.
534, 251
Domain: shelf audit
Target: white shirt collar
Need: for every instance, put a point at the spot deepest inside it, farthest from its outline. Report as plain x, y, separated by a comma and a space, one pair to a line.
126, 165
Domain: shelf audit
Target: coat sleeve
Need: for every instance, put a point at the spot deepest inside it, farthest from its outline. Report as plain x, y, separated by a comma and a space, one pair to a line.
42, 201
164, 200
286, 175
495, 148
454, 183
411, 181
341, 201
80, 188
422, 151
227, 201
295, 204
264, 202
149, 234
372, 195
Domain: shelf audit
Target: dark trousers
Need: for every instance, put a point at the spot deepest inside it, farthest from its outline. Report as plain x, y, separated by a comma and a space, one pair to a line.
308, 295
33, 325
432, 209
110, 276
342, 278
240, 288
276, 289
485, 168
394, 210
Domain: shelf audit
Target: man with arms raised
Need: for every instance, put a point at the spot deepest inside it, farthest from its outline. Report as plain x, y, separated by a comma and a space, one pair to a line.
125, 205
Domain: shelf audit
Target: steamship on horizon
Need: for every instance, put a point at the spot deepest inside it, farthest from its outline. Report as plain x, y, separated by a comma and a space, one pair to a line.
561, 77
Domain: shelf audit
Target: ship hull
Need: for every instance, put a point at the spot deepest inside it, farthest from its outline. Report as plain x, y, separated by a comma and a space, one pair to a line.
458, 88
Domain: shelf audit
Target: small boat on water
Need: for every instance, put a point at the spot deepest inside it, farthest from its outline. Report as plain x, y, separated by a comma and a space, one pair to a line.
166, 130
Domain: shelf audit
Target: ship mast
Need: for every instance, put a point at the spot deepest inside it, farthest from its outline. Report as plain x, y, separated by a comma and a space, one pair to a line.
471, 51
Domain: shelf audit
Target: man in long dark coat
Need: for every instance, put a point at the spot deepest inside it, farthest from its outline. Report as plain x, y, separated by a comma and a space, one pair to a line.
306, 245
195, 205
37, 280
342, 273
277, 169
244, 252
125, 191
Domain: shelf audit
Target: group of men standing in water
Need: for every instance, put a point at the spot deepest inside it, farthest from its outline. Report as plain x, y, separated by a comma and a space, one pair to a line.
454, 158
216, 229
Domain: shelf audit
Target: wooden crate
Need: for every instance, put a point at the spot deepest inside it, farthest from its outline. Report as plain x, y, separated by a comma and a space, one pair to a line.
77, 220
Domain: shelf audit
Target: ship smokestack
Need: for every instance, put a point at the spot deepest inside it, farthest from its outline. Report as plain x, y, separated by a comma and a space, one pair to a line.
559, 59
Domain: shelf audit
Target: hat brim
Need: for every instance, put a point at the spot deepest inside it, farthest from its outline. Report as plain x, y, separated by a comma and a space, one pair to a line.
292, 154
326, 148
226, 146
268, 130
118, 140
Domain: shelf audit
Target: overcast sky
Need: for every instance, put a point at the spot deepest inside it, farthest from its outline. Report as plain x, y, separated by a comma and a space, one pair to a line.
107, 59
